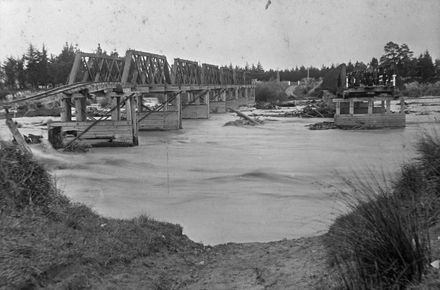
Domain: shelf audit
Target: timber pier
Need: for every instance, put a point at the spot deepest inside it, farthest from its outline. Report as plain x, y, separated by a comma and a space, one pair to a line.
186, 90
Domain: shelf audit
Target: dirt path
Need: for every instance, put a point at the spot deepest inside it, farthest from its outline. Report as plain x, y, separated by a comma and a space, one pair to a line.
287, 264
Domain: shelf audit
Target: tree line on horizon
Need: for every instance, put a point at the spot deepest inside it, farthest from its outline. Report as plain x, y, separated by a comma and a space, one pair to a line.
36, 69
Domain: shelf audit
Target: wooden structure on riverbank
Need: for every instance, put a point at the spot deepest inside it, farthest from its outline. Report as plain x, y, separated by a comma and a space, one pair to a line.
185, 90
369, 106
368, 112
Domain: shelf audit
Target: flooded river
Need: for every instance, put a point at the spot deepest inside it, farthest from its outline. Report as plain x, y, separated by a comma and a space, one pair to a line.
232, 184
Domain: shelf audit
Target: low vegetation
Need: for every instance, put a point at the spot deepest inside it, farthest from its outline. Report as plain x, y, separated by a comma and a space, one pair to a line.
270, 92
416, 89
384, 241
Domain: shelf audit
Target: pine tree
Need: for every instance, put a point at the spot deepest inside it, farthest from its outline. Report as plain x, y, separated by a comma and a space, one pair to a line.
43, 68
10, 72
426, 67
32, 58
61, 65
259, 67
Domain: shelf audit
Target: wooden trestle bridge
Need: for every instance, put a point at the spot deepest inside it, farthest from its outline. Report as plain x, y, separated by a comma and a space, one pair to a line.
185, 90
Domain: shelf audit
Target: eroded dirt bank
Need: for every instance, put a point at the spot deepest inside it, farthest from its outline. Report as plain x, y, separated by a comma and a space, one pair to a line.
286, 264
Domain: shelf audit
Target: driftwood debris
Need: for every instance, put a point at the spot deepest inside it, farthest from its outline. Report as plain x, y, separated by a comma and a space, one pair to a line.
252, 121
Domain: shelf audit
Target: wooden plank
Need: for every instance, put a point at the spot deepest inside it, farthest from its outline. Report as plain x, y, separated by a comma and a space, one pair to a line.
74, 70
17, 135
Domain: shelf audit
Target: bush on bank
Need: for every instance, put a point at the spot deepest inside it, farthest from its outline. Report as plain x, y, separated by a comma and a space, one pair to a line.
416, 89
270, 92
384, 241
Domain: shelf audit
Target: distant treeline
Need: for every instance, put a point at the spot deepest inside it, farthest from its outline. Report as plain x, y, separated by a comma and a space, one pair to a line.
36, 69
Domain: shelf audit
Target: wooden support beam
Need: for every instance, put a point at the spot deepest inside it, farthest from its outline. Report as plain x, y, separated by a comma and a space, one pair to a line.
22, 145
132, 116
179, 109
140, 103
166, 102
351, 110
338, 108
127, 65
116, 103
66, 109
74, 70
370, 107
80, 107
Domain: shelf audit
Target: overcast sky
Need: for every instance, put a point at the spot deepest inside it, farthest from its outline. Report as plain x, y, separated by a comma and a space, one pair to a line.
289, 33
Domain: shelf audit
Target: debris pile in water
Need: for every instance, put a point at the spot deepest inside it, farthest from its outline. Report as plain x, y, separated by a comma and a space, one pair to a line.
317, 109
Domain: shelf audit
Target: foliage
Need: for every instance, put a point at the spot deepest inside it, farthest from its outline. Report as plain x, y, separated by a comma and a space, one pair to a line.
271, 92
397, 57
23, 179
383, 242
425, 66
416, 89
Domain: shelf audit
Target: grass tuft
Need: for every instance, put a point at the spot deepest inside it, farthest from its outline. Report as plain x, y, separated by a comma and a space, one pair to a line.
383, 242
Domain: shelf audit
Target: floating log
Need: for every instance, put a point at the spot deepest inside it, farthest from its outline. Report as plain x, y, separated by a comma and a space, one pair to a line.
244, 116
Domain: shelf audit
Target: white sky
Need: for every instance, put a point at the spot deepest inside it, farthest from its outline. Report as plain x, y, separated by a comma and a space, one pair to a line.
289, 33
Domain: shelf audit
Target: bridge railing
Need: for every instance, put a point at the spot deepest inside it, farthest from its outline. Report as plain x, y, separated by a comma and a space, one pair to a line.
210, 74
142, 68
89, 67
186, 72
226, 76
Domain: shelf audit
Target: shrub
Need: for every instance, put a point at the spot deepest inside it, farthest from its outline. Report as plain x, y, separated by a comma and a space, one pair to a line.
23, 181
271, 92
415, 89
382, 243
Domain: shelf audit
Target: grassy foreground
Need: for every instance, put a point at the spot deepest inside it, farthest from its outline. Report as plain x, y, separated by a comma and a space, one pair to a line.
389, 237
49, 242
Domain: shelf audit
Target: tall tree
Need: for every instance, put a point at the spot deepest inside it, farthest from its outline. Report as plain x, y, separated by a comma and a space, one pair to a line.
374, 62
32, 58
21, 73
43, 67
259, 67
10, 72
61, 65
437, 68
397, 57
426, 67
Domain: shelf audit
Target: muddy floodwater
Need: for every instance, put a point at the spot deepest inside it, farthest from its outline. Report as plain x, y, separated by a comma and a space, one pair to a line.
232, 184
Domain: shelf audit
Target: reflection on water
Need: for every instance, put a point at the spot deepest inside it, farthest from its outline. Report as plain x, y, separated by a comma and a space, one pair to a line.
232, 184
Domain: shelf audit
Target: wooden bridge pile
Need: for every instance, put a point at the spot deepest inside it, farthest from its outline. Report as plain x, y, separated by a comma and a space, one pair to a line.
185, 90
